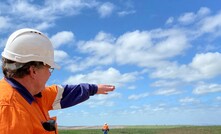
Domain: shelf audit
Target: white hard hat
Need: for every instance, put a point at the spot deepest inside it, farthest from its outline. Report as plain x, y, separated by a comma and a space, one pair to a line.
27, 45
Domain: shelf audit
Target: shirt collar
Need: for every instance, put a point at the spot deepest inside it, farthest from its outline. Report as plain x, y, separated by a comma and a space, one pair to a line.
21, 89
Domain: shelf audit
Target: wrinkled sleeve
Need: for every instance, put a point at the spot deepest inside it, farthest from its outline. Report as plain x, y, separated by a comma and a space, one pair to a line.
70, 95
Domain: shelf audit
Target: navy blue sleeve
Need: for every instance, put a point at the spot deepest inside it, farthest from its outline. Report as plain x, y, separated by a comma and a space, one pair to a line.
75, 94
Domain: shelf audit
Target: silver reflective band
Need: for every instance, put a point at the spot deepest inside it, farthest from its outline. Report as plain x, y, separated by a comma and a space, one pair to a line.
14, 66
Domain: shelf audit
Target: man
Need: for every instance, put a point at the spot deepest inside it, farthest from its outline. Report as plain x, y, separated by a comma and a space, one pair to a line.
27, 63
105, 128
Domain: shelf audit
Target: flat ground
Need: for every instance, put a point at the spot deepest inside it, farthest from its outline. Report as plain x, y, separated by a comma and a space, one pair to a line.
142, 130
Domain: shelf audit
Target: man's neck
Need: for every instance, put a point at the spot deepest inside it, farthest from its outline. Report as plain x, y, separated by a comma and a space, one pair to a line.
28, 83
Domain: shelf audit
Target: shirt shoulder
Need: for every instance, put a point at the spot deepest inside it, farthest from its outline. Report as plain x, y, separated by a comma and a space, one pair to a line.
7, 93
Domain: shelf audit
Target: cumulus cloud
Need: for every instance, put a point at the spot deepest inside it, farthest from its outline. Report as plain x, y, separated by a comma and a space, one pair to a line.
44, 25
43, 15
100, 51
4, 23
170, 20
141, 48
203, 11
106, 9
208, 64
218, 98
62, 38
188, 100
211, 24
204, 88
191, 17
149, 48
138, 96
49, 10
103, 100
60, 55
124, 13
111, 76
166, 83
167, 92
107, 97
187, 18
100, 46
70, 7
203, 66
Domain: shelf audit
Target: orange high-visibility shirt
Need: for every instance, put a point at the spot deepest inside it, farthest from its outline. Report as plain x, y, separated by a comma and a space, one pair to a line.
17, 116
105, 127
22, 113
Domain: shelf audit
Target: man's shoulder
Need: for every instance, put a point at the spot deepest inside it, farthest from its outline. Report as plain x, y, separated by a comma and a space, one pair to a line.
6, 93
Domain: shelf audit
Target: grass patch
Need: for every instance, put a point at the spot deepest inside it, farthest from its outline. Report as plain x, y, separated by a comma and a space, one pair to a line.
151, 130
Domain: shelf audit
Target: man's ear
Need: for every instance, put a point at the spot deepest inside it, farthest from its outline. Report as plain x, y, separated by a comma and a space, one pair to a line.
32, 72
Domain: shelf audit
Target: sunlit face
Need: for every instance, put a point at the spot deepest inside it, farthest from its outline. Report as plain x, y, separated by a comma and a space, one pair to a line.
42, 76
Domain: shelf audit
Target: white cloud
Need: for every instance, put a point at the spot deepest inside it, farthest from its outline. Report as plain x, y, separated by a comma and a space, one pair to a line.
42, 15
124, 13
187, 18
203, 66
141, 48
149, 48
191, 17
166, 83
132, 87
75, 67
44, 25
106, 9
67, 5
100, 51
110, 96
103, 100
60, 55
31, 11
3, 42
203, 11
93, 104
188, 100
211, 24
138, 96
4, 22
208, 64
204, 88
167, 92
100, 46
111, 76
218, 98
49, 10
62, 38
170, 20
173, 71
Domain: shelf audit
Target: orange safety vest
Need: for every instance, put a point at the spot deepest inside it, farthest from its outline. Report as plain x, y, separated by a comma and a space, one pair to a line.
105, 127
17, 116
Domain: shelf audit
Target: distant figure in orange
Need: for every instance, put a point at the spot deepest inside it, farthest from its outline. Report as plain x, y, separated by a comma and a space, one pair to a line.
105, 128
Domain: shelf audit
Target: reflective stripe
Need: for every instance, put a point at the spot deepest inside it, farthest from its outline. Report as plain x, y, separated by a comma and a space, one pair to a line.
57, 101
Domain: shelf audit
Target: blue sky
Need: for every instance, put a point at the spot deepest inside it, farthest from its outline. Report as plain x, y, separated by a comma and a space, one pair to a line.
163, 56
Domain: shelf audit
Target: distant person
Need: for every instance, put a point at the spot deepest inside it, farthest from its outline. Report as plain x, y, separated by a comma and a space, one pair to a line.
27, 64
105, 128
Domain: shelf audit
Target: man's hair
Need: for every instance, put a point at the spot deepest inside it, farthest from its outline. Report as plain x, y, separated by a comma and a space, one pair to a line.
20, 72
